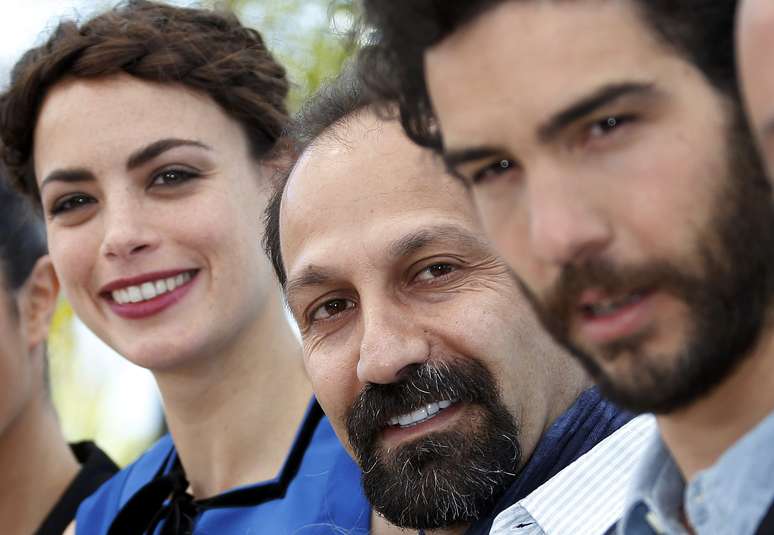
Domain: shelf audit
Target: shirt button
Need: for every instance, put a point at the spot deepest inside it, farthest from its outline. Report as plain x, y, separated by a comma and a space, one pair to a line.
699, 515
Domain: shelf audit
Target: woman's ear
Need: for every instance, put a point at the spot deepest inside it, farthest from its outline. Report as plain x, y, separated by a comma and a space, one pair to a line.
37, 301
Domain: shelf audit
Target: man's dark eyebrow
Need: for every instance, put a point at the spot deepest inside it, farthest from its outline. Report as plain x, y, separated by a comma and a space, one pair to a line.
589, 104
453, 158
414, 241
310, 276
67, 175
156, 148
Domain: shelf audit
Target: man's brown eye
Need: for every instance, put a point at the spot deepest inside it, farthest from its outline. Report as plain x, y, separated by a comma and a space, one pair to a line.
434, 271
493, 170
609, 124
334, 307
331, 308
440, 269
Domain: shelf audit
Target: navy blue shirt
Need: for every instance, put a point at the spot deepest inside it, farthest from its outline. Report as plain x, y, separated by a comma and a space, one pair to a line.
317, 491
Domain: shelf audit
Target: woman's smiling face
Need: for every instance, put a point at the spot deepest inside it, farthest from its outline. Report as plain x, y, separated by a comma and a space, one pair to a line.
152, 206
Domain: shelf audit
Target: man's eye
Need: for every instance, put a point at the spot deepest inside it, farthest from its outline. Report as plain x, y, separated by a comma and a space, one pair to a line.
435, 271
71, 202
493, 170
173, 177
331, 308
607, 125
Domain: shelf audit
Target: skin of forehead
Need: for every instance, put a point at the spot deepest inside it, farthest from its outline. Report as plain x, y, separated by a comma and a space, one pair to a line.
497, 65
361, 165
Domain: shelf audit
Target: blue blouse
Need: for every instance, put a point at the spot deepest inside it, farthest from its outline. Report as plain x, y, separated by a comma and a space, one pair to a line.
317, 491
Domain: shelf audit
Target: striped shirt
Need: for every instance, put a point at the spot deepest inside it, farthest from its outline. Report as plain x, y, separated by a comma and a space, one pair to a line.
588, 496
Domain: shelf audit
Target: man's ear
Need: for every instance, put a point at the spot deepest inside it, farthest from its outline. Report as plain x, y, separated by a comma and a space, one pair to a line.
37, 301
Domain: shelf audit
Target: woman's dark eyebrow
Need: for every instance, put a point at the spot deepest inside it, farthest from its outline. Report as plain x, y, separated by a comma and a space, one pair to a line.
67, 175
156, 148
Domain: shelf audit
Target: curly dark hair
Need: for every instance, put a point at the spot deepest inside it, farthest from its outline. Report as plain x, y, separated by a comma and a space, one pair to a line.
392, 68
208, 51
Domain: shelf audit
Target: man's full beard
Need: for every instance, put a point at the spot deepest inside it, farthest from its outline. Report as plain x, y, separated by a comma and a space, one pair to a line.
446, 478
727, 298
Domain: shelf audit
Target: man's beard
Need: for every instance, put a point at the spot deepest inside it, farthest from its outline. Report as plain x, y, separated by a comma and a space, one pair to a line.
444, 478
727, 301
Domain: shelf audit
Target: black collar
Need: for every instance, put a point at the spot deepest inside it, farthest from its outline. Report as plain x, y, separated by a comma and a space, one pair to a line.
96, 468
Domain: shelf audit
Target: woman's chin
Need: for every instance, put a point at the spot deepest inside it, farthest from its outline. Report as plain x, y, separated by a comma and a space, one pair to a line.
159, 357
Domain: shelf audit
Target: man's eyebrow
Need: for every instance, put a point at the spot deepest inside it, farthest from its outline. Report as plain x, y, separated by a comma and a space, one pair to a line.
414, 241
67, 175
587, 105
147, 153
453, 158
312, 276
309, 276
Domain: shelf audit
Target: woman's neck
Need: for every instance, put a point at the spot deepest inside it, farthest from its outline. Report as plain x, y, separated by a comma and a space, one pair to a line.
36, 466
234, 416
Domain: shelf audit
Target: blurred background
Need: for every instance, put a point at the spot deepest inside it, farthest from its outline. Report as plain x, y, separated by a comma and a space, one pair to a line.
98, 394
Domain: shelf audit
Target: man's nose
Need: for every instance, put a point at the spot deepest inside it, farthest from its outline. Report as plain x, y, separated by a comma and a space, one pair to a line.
565, 225
393, 343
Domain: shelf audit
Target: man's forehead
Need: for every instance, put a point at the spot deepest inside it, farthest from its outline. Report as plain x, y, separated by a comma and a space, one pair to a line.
354, 150
371, 168
535, 57
370, 185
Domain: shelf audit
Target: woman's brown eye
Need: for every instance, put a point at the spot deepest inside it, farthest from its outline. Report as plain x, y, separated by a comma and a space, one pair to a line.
172, 177
72, 202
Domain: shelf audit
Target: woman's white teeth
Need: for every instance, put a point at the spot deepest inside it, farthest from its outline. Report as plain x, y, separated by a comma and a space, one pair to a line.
421, 414
149, 290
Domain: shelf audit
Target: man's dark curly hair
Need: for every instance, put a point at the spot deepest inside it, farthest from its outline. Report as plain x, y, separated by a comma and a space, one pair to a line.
204, 50
392, 68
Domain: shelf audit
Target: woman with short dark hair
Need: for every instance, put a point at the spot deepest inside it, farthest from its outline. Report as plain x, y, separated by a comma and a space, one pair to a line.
149, 136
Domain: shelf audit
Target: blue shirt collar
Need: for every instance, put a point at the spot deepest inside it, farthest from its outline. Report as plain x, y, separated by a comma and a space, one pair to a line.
731, 496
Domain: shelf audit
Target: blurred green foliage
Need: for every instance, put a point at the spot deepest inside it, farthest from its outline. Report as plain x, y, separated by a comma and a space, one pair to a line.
311, 38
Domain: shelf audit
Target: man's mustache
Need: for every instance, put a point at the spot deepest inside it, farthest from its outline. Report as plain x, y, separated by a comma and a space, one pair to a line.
558, 305
459, 379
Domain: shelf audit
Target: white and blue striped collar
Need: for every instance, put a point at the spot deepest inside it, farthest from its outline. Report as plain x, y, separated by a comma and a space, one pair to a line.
588, 496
